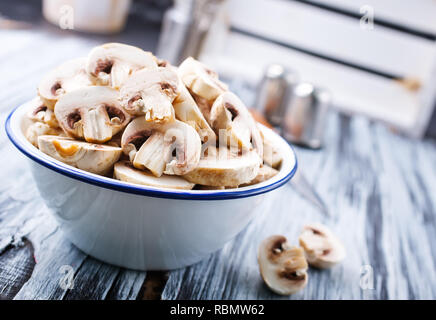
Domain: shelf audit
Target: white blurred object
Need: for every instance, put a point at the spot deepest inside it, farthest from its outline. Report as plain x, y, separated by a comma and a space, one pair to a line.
102, 16
386, 72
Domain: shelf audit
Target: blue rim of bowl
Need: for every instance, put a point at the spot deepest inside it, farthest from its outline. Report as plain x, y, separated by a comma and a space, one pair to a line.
83, 176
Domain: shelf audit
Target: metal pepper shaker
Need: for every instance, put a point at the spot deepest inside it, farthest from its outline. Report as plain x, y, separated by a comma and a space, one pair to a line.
274, 91
305, 116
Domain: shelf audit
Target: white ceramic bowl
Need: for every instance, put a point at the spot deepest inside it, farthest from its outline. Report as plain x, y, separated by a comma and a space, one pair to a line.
141, 227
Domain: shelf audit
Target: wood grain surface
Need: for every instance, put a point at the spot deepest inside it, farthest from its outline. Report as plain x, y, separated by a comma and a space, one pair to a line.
380, 189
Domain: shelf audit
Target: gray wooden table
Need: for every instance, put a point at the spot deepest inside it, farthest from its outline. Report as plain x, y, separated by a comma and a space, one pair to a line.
380, 189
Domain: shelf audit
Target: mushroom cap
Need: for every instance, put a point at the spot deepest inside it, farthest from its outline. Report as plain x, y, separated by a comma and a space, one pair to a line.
282, 267
151, 145
92, 113
37, 129
67, 77
225, 170
112, 63
229, 113
271, 154
265, 173
200, 79
150, 92
203, 105
186, 110
94, 158
322, 248
39, 112
125, 171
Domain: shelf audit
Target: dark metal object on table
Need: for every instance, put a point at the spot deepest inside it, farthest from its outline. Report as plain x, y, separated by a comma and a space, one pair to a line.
303, 124
305, 116
274, 91
185, 27
289, 106
305, 189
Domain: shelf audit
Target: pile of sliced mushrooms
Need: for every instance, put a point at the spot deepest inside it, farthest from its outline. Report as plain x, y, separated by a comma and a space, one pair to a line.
283, 267
123, 113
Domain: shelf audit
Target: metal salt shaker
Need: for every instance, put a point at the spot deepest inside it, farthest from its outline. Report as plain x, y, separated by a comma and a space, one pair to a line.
305, 116
299, 110
274, 92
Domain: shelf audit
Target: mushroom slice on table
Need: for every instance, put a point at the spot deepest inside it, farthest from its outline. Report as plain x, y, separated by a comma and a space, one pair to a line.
230, 117
228, 171
171, 148
112, 63
265, 172
201, 80
67, 77
186, 110
322, 248
39, 112
125, 171
151, 93
37, 129
95, 158
92, 113
283, 267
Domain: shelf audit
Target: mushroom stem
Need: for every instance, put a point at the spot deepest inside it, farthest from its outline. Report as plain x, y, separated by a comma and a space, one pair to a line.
150, 155
96, 126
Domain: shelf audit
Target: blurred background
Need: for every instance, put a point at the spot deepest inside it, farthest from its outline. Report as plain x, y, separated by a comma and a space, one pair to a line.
375, 57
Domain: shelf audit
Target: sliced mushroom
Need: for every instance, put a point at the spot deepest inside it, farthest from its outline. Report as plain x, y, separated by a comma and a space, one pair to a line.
116, 140
112, 63
37, 129
125, 171
265, 173
39, 112
95, 158
204, 105
151, 93
68, 77
92, 113
322, 248
186, 110
283, 267
271, 154
230, 114
200, 79
170, 148
163, 63
228, 171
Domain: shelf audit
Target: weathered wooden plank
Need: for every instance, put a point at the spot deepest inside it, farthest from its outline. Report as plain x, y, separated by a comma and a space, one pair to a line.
12, 278
409, 214
127, 285
379, 188
91, 280
153, 285
35, 270
358, 175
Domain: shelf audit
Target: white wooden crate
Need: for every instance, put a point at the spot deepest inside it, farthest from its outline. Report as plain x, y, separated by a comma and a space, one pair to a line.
327, 46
